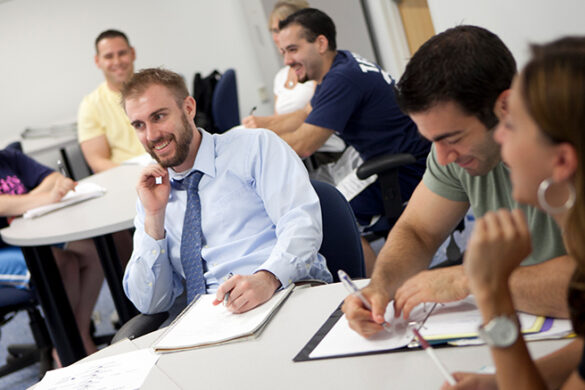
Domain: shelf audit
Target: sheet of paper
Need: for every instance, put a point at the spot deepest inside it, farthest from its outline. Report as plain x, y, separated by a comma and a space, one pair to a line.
204, 324
126, 371
83, 191
341, 340
448, 321
560, 328
460, 320
351, 185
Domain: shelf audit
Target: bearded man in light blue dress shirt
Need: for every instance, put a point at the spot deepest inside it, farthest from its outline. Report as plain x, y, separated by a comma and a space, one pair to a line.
260, 217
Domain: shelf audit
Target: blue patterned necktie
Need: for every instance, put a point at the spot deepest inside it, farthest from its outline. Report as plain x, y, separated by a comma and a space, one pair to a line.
191, 238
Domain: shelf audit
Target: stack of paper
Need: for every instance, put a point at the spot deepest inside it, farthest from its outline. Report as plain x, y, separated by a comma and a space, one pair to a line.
83, 191
121, 372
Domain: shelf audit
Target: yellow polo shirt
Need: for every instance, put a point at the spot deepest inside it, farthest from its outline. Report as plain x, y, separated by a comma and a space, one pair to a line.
100, 113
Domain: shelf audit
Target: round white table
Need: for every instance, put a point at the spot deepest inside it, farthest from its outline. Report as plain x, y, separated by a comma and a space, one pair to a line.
96, 218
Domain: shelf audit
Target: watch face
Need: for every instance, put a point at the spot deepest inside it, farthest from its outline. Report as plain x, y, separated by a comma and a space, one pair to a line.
500, 332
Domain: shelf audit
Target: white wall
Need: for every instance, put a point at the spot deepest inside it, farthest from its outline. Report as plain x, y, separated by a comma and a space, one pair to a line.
516, 22
46, 50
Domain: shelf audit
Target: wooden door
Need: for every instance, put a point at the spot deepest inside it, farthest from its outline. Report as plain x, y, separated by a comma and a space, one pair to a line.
417, 22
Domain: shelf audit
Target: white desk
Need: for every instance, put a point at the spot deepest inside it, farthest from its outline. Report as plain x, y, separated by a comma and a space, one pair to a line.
266, 362
95, 218
36, 146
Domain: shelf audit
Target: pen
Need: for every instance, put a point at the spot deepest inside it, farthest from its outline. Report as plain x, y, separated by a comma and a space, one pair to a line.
226, 297
354, 290
252, 110
62, 168
431, 352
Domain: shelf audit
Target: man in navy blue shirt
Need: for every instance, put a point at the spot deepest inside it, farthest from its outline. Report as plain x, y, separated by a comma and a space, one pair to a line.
354, 99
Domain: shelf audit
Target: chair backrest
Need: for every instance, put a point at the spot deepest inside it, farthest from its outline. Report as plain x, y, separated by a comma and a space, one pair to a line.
16, 145
224, 105
341, 244
75, 162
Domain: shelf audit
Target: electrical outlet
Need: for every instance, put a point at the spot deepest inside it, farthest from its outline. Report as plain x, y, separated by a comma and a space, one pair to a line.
263, 94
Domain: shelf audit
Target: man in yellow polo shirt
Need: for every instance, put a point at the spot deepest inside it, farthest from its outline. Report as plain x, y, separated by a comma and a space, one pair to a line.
104, 131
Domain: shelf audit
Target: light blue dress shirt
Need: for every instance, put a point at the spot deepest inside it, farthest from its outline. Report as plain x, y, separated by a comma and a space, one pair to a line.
258, 212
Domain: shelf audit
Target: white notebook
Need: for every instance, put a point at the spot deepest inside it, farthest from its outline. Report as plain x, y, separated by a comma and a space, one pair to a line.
203, 324
83, 191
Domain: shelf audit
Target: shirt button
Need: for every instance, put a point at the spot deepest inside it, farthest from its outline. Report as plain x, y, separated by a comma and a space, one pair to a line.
154, 251
163, 251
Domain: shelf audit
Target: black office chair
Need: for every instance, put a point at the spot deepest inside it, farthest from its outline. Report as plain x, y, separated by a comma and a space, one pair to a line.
341, 244
224, 104
13, 300
386, 167
16, 145
74, 162
341, 247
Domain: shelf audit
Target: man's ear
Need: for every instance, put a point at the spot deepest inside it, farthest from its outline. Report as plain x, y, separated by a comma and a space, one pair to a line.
96, 61
190, 107
322, 44
501, 105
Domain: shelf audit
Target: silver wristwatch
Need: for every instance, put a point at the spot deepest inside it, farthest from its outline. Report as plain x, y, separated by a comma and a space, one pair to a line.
500, 332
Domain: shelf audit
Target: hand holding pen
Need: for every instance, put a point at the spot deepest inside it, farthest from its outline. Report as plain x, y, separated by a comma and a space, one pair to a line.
355, 291
250, 120
413, 326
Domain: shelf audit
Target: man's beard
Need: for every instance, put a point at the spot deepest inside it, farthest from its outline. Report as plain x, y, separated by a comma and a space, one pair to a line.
185, 134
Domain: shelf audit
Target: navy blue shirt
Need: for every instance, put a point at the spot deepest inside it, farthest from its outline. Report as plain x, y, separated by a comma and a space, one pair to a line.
19, 174
356, 100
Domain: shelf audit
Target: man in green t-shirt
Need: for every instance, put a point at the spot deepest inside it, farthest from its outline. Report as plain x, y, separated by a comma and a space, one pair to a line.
455, 88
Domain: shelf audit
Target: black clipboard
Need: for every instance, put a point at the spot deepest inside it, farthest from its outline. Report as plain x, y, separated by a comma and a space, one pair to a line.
303, 355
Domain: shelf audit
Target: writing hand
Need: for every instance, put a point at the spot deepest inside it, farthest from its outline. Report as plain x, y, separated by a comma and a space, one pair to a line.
247, 291
61, 187
363, 321
250, 122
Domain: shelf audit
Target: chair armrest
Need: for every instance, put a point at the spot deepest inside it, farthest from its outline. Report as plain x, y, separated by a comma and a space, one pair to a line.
383, 163
140, 325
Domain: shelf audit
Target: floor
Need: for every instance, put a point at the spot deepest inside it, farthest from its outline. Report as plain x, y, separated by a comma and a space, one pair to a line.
17, 331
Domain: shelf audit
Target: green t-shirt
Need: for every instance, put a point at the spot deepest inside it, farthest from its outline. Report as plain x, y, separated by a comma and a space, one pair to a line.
491, 192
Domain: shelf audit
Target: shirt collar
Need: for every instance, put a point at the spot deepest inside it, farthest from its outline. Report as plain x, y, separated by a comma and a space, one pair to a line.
205, 160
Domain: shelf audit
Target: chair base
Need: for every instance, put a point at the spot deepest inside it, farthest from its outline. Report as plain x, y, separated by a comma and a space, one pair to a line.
24, 355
